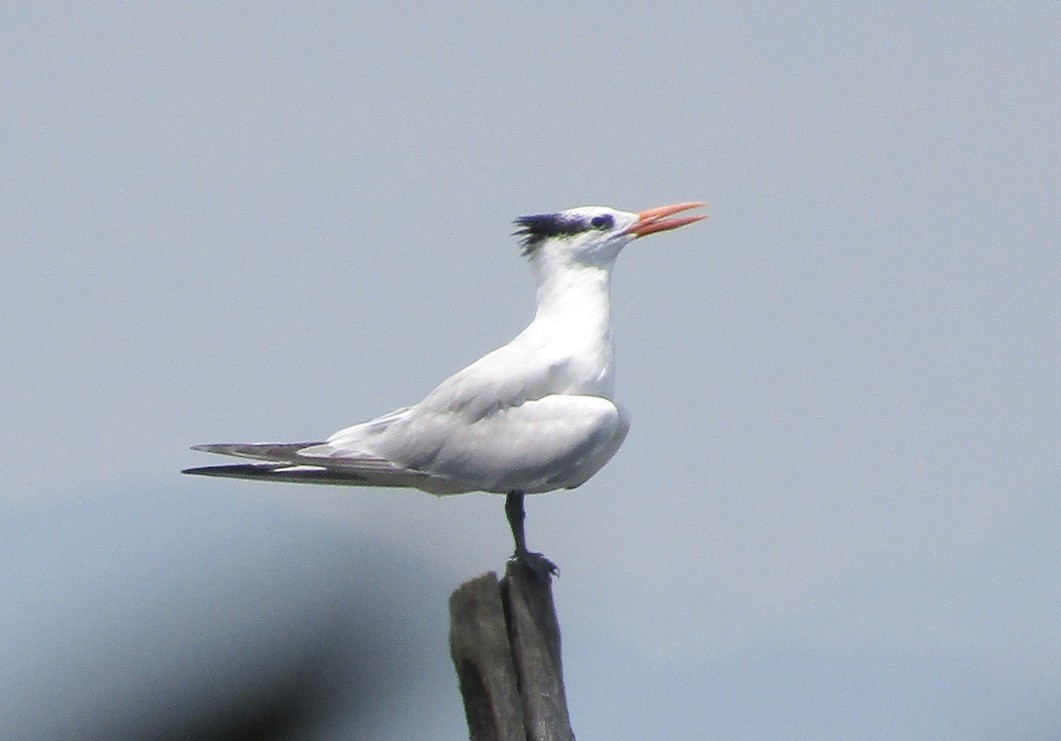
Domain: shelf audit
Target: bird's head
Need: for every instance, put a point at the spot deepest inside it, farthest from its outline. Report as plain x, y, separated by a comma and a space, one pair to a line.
596, 234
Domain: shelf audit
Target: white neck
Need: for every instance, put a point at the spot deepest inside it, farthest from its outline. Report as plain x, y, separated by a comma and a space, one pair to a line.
574, 317
572, 291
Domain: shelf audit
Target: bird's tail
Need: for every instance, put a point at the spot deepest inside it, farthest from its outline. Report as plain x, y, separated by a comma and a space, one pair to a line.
272, 452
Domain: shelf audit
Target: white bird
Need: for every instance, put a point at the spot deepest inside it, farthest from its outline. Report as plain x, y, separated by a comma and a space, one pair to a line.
535, 415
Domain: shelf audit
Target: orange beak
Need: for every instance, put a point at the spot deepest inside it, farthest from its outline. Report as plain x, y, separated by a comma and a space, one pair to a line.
655, 219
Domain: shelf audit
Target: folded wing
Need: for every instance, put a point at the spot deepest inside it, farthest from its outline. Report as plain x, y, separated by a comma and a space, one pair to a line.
286, 462
554, 442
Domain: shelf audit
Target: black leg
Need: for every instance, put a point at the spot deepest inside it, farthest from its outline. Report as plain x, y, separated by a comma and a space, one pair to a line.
516, 515
536, 562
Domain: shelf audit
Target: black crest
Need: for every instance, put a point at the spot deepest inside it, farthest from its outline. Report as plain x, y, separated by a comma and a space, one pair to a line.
537, 227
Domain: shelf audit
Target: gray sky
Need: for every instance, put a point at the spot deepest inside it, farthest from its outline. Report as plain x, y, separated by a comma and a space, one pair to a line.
836, 513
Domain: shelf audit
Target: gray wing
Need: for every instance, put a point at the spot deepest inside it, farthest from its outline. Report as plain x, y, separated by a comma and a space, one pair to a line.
287, 462
550, 443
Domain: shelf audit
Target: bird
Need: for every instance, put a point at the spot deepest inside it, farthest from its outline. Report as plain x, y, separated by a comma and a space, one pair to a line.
535, 415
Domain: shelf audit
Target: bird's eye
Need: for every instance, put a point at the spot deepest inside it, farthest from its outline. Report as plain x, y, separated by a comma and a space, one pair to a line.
602, 222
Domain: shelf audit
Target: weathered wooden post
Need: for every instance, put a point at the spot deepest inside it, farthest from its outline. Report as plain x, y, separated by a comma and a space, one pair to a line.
505, 643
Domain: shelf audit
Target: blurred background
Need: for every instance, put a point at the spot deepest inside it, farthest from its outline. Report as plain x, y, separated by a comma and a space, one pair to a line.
836, 513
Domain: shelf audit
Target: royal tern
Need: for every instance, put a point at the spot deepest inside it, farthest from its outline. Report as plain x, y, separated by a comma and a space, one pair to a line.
535, 415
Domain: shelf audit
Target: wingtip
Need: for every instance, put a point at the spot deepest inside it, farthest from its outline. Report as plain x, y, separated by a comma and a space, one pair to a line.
238, 471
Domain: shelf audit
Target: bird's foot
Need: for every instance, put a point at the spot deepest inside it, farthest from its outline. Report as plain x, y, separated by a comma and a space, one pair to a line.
539, 565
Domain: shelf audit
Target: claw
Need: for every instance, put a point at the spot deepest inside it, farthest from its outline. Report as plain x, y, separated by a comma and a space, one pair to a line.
538, 564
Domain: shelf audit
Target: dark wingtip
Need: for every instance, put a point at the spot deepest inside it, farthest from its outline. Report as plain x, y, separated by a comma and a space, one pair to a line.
208, 470
238, 471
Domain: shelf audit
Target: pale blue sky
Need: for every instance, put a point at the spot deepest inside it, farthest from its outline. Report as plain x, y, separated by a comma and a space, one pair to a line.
836, 512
